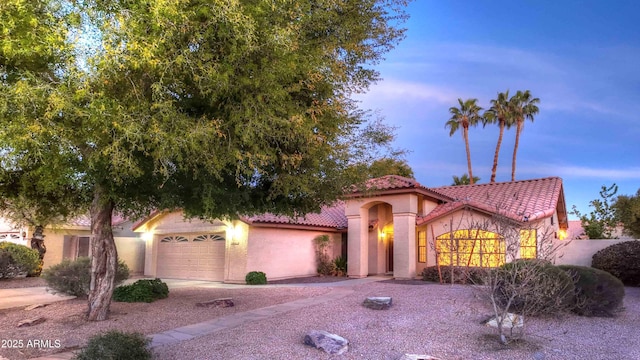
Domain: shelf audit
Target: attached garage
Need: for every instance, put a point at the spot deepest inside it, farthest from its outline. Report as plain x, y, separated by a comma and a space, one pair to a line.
191, 256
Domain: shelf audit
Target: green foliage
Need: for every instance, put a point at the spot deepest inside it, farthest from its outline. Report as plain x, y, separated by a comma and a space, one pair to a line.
627, 211
256, 278
74, 277
144, 290
601, 221
340, 266
116, 345
17, 259
621, 260
597, 292
461, 275
467, 115
390, 166
464, 180
533, 287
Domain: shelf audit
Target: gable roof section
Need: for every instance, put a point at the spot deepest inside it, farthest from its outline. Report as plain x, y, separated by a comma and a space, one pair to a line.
524, 200
395, 184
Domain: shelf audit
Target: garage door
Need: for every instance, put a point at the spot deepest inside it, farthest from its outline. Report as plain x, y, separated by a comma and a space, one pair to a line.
198, 257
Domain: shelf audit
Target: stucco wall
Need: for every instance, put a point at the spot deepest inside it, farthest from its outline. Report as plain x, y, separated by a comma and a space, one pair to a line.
131, 250
580, 252
54, 241
282, 253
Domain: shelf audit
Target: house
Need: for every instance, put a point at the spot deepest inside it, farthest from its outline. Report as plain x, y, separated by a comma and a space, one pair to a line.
71, 240
394, 226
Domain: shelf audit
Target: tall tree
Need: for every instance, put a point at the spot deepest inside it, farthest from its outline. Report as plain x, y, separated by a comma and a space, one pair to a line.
500, 112
601, 222
220, 108
463, 180
390, 166
523, 106
468, 114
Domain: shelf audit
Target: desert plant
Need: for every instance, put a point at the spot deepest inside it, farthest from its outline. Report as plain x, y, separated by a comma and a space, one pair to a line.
597, 292
116, 345
534, 287
17, 259
143, 290
256, 278
325, 266
73, 277
621, 260
340, 266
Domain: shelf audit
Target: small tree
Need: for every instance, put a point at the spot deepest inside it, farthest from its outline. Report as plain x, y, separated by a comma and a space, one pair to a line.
627, 212
489, 252
601, 221
323, 260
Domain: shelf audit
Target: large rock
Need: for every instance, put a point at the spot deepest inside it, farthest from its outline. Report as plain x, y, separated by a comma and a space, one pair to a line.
217, 303
330, 343
417, 357
510, 321
377, 302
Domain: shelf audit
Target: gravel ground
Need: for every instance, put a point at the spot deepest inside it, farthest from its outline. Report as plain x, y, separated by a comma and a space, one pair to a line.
22, 283
432, 319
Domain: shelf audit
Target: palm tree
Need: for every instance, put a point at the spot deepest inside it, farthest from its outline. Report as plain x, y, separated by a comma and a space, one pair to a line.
463, 180
523, 107
463, 117
500, 112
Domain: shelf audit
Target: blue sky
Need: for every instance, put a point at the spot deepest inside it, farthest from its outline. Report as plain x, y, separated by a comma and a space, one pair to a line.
581, 58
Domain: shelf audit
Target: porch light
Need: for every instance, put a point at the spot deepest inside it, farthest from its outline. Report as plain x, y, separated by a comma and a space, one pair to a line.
561, 234
382, 234
147, 236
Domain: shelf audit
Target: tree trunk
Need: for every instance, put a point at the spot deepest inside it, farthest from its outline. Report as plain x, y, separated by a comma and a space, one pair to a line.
104, 257
466, 143
494, 169
515, 150
37, 243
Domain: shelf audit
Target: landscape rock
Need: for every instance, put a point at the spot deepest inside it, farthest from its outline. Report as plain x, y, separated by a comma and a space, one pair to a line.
510, 321
31, 322
331, 343
377, 302
34, 306
417, 357
217, 303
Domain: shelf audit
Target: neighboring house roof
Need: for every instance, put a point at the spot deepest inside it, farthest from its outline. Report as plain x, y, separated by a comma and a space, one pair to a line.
329, 217
525, 200
85, 221
575, 231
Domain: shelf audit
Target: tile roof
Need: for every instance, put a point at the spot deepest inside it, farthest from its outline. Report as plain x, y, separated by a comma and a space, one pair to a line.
520, 200
329, 216
85, 220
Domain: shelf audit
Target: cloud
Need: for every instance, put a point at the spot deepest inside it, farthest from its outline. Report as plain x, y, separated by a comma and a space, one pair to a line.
396, 89
583, 172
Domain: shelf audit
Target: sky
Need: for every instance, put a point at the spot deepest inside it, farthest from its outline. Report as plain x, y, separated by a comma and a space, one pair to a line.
580, 58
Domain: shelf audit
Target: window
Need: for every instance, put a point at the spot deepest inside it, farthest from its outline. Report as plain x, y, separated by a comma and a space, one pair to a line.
422, 246
211, 237
176, 238
528, 244
476, 248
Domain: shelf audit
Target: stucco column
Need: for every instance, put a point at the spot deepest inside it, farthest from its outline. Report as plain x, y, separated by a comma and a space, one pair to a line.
151, 256
357, 245
404, 245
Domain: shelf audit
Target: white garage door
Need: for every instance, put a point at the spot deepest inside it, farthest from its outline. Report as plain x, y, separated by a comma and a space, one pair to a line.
198, 257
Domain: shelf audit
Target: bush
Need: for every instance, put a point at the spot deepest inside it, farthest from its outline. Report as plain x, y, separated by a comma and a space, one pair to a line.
340, 266
17, 259
116, 345
461, 275
144, 290
621, 260
74, 277
534, 287
256, 278
597, 292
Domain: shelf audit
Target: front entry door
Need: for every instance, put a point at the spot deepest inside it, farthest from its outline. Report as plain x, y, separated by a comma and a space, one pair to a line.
389, 252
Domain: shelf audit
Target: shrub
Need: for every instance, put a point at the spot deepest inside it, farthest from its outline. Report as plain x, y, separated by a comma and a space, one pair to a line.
461, 275
534, 287
340, 266
325, 266
74, 277
144, 290
116, 345
597, 292
256, 278
17, 259
621, 260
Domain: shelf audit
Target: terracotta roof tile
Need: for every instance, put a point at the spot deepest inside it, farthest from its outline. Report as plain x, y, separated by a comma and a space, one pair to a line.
329, 216
85, 220
520, 200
